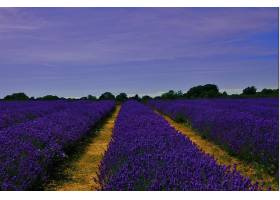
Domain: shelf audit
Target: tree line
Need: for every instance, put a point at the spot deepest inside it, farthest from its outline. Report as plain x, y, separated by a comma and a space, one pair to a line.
200, 91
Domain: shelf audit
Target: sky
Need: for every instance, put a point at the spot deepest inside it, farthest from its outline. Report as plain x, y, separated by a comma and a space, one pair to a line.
73, 52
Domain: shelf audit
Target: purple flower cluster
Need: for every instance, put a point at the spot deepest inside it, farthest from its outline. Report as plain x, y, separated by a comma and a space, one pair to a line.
247, 128
146, 153
12, 113
28, 150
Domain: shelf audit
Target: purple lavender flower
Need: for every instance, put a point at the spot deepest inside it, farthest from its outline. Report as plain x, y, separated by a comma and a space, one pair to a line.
247, 128
146, 153
28, 150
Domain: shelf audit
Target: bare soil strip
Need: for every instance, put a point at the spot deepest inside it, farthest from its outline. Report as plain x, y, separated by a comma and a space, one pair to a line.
80, 174
254, 172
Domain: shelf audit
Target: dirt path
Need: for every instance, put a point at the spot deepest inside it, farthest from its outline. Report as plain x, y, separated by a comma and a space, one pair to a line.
254, 172
81, 173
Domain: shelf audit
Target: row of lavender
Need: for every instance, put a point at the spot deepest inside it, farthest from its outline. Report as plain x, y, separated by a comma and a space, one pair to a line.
247, 128
12, 113
146, 153
29, 150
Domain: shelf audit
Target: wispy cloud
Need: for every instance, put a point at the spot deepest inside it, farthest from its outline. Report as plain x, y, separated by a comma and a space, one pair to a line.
14, 20
143, 34
160, 40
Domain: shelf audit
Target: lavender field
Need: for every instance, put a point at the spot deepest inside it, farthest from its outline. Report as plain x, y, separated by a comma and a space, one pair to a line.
147, 154
247, 128
30, 146
144, 151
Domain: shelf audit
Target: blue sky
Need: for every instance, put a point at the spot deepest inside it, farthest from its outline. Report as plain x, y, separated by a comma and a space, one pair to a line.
73, 52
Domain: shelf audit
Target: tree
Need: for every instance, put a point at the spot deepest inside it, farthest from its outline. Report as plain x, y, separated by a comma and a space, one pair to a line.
249, 91
266, 91
107, 96
70, 99
135, 97
17, 96
49, 97
269, 92
224, 94
146, 98
205, 91
90, 97
157, 97
121, 97
169, 95
179, 94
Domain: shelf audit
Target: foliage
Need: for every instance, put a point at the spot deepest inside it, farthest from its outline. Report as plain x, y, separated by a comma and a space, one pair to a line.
135, 97
90, 97
200, 91
171, 94
224, 94
107, 96
146, 98
121, 97
205, 91
269, 92
17, 96
49, 97
250, 90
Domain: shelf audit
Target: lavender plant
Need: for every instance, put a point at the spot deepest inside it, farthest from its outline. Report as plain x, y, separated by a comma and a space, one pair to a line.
12, 113
247, 128
146, 153
29, 150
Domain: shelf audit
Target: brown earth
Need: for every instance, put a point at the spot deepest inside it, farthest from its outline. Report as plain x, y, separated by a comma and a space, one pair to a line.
79, 175
253, 171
